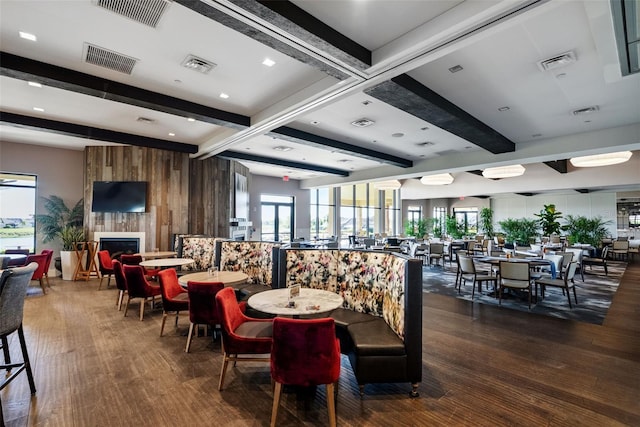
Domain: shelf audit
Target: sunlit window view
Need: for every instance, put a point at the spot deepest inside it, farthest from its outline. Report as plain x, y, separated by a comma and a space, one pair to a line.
322, 213
17, 211
277, 218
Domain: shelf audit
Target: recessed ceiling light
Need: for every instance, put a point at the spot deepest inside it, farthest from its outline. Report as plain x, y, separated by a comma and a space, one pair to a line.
315, 122
269, 62
504, 109
397, 135
282, 148
172, 134
456, 68
361, 123
424, 128
28, 36
366, 102
38, 109
191, 119
224, 95
344, 160
34, 84
200, 65
425, 143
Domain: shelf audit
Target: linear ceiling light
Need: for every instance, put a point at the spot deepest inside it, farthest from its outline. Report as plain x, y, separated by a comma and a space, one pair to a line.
440, 179
601, 159
503, 171
393, 184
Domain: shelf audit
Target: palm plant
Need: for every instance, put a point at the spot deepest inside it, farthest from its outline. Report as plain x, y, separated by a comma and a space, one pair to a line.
581, 229
519, 231
60, 219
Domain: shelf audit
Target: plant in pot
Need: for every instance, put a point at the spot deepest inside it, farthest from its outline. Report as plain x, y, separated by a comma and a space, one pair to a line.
64, 224
548, 221
486, 222
581, 229
519, 232
435, 226
416, 228
454, 229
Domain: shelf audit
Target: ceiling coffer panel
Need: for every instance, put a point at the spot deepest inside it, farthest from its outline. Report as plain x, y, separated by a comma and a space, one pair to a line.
108, 59
147, 12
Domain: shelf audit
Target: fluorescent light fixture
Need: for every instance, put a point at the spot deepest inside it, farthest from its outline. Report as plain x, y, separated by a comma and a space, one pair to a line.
172, 134
224, 95
34, 84
503, 171
440, 179
392, 184
269, 62
28, 36
601, 159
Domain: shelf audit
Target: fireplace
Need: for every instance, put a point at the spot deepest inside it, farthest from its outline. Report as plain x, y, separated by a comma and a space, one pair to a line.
120, 245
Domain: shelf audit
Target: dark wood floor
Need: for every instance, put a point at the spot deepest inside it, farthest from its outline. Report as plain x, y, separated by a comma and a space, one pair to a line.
482, 366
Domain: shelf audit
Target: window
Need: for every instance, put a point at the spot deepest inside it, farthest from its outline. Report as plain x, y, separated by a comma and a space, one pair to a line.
468, 217
277, 218
322, 212
17, 211
440, 213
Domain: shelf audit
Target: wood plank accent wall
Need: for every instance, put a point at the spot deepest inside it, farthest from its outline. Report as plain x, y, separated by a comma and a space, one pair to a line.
183, 195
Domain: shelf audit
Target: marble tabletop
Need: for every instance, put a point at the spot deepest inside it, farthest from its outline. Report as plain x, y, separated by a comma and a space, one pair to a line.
166, 262
229, 278
310, 301
157, 254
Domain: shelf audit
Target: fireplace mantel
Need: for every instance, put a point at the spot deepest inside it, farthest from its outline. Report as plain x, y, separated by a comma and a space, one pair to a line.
97, 235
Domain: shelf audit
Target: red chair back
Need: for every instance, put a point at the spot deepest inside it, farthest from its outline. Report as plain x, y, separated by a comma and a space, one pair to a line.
118, 272
49, 254
137, 285
130, 259
106, 264
230, 318
41, 259
305, 352
169, 285
202, 302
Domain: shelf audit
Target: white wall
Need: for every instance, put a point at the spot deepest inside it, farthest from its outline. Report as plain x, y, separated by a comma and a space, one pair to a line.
589, 205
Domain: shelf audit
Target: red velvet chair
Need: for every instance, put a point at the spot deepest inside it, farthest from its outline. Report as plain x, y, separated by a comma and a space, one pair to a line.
105, 265
136, 260
49, 254
241, 335
305, 353
202, 306
139, 287
174, 296
121, 282
41, 260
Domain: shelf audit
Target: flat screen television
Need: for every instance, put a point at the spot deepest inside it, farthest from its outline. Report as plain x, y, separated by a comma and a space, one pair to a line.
119, 196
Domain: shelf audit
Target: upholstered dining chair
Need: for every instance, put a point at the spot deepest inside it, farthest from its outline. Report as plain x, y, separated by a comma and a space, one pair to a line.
578, 254
241, 335
566, 283
305, 353
597, 260
514, 275
121, 282
202, 306
105, 265
49, 254
436, 252
468, 273
139, 287
38, 274
13, 290
174, 296
127, 259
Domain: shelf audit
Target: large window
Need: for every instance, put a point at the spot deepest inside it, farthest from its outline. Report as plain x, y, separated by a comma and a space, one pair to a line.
322, 212
277, 218
468, 218
440, 213
17, 211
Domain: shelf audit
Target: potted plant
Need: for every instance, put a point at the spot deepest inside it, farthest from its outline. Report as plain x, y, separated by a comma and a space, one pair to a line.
581, 229
64, 224
454, 229
416, 228
548, 221
486, 222
520, 232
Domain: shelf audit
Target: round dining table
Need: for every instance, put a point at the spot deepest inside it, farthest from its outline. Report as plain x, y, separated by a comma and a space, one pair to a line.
166, 262
229, 278
157, 254
309, 301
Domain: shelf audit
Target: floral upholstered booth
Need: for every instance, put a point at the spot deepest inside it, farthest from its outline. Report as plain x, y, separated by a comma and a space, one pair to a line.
380, 323
200, 248
256, 259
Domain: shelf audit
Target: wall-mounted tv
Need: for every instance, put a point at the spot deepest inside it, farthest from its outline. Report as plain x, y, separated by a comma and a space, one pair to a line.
119, 196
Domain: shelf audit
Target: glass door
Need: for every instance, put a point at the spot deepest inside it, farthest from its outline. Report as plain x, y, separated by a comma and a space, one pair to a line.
277, 218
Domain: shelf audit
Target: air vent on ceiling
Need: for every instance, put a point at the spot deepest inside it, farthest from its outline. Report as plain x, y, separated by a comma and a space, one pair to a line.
362, 123
198, 64
587, 110
108, 59
147, 12
557, 61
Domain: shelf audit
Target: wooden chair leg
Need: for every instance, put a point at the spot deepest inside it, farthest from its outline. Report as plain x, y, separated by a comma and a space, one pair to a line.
142, 301
126, 305
101, 279
189, 336
276, 402
331, 405
44, 291
223, 371
164, 319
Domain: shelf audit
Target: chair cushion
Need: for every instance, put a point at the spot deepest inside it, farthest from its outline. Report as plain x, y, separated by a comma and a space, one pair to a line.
515, 283
255, 330
344, 317
375, 338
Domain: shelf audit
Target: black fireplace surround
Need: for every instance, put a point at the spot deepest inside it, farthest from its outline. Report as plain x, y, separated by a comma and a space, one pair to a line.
120, 245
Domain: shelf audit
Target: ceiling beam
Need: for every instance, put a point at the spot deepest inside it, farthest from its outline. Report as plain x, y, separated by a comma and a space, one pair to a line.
235, 155
88, 132
63, 78
305, 138
558, 165
413, 97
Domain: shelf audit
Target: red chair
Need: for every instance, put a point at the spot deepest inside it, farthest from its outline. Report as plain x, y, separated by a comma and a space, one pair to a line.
174, 296
121, 281
49, 254
136, 260
305, 353
105, 265
41, 260
202, 306
139, 287
240, 334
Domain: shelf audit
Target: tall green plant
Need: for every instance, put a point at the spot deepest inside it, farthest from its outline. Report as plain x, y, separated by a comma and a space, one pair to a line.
519, 231
436, 228
581, 229
58, 217
486, 222
548, 221
452, 227
416, 228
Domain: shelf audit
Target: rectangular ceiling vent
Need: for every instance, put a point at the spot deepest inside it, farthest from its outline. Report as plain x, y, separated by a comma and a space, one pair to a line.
362, 123
108, 59
587, 110
147, 12
557, 61
200, 65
